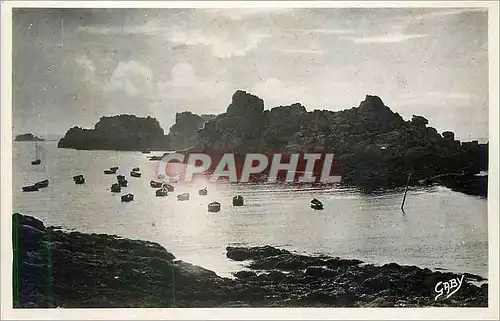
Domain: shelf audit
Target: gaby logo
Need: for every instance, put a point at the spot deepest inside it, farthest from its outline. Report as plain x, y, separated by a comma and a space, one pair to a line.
239, 168
448, 288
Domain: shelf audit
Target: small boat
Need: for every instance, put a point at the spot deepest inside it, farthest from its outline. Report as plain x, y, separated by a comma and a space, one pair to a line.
31, 188
155, 158
161, 192
77, 177
115, 188
42, 184
146, 151
127, 198
169, 187
37, 160
183, 197
122, 182
80, 181
119, 177
316, 204
203, 191
238, 201
135, 169
214, 207
110, 171
154, 184
114, 168
135, 174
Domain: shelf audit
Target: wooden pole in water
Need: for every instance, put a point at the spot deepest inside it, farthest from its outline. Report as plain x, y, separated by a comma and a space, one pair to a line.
406, 191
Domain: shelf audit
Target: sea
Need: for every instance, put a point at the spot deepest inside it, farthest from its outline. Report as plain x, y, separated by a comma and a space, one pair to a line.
440, 229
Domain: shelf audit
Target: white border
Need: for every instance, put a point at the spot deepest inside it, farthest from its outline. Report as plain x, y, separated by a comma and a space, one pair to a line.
246, 313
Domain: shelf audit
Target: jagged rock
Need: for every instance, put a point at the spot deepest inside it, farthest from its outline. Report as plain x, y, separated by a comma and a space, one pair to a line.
184, 133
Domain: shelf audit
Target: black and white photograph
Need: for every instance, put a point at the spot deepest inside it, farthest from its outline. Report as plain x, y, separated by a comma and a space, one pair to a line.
248, 155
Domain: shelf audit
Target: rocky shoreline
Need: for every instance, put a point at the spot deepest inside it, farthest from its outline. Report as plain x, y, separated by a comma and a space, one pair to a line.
53, 268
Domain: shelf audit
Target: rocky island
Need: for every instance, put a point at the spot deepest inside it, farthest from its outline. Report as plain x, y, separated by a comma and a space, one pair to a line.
122, 132
374, 147
29, 137
53, 268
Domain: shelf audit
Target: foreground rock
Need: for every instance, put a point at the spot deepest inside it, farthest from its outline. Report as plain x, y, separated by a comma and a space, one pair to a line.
29, 137
53, 268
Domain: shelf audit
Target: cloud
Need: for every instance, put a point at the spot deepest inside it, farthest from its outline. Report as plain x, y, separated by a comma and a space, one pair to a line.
238, 14
133, 78
278, 92
302, 51
222, 45
446, 12
323, 31
152, 27
88, 68
186, 85
395, 38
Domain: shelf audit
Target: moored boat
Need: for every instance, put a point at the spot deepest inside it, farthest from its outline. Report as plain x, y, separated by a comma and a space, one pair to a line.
214, 207
203, 191
161, 192
110, 171
127, 198
37, 160
135, 174
115, 188
183, 197
154, 184
135, 169
42, 184
238, 200
316, 204
79, 179
114, 168
31, 188
119, 177
122, 182
168, 187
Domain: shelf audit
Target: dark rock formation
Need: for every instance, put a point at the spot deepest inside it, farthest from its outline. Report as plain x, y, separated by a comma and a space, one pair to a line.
27, 138
52, 268
123, 132
184, 133
373, 146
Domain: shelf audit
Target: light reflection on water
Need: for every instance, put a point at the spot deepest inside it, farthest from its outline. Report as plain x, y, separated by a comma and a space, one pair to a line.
439, 229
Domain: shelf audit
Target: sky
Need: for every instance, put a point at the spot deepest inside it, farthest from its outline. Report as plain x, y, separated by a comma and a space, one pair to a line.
73, 66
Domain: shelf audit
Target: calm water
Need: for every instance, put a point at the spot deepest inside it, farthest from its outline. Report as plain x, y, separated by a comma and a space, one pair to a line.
440, 229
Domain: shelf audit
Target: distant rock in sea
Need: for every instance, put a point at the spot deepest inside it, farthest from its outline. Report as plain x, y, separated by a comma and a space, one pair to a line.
29, 137
122, 132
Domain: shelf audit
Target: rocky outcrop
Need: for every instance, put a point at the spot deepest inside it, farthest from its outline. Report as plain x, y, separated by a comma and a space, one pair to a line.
373, 146
184, 133
53, 268
27, 138
123, 132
